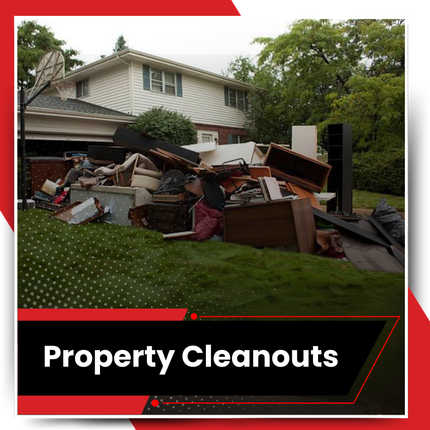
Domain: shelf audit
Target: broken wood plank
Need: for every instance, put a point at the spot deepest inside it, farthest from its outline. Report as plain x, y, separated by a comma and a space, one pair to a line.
140, 143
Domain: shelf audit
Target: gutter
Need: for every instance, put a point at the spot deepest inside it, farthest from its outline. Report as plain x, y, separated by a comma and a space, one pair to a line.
79, 115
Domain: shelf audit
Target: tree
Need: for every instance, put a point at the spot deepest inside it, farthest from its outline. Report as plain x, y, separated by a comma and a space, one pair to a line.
33, 41
120, 44
167, 125
376, 110
321, 72
242, 69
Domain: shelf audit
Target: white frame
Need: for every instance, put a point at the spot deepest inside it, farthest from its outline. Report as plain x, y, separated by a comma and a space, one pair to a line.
81, 84
163, 82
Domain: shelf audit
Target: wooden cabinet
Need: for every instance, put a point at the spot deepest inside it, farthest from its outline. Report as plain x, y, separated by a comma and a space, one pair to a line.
167, 218
43, 168
288, 223
296, 168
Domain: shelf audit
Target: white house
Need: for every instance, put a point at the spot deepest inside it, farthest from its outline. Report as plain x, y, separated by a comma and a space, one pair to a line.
133, 82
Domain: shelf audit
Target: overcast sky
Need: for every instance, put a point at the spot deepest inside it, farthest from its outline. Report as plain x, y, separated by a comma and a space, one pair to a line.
206, 42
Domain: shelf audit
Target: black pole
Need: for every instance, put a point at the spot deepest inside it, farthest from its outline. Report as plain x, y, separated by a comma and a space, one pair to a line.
23, 151
23, 105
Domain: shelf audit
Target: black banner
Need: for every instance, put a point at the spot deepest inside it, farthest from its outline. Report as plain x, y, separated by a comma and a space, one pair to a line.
310, 357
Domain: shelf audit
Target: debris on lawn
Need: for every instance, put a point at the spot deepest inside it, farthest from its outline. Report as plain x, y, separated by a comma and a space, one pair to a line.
217, 192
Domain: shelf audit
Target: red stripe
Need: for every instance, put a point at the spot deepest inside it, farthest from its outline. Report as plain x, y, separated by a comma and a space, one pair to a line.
299, 316
101, 314
81, 405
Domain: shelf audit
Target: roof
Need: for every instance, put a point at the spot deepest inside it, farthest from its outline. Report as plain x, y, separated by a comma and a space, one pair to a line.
128, 55
74, 106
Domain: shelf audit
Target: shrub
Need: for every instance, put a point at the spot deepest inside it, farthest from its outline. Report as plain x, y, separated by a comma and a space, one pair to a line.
382, 172
167, 125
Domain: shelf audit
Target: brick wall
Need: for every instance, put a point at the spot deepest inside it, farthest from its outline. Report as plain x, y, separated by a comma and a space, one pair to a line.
223, 132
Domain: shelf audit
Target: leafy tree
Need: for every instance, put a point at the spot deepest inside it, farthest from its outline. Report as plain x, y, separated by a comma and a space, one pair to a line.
33, 41
376, 110
167, 125
242, 69
120, 44
322, 72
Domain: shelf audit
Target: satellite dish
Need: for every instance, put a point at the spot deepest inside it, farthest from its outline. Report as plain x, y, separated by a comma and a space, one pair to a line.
49, 70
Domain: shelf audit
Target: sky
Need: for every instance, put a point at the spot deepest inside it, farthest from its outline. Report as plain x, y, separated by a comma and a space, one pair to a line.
206, 42
209, 43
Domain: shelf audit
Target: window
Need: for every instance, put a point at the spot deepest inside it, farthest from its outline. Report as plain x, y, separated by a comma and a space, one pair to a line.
236, 98
157, 81
82, 88
204, 136
169, 83
162, 82
235, 138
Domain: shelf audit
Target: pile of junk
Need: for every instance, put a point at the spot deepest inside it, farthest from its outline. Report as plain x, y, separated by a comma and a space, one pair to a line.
233, 193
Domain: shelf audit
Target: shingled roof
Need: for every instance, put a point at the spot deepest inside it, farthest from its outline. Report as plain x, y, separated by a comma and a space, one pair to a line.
74, 105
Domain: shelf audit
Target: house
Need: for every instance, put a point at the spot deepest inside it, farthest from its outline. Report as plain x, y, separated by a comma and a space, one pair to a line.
133, 82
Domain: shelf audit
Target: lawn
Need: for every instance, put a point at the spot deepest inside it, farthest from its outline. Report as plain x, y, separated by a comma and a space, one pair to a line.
109, 266
367, 199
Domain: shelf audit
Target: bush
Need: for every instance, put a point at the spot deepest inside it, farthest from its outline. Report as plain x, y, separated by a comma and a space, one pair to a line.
381, 172
170, 126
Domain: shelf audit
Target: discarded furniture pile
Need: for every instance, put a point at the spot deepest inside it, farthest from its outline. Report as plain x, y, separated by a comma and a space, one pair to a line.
232, 192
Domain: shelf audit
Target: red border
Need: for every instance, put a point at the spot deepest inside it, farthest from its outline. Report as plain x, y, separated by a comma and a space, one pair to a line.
101, 314
81, 405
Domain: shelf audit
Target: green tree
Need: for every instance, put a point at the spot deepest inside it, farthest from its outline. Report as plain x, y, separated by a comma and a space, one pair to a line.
120, 44
376, 110
321, 72
242, 69
167, 125
33, 41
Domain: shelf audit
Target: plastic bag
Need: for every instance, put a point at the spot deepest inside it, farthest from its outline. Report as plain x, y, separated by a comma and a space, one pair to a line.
391, 219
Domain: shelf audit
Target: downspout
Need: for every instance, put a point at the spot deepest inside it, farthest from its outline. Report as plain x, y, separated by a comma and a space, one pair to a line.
130, 83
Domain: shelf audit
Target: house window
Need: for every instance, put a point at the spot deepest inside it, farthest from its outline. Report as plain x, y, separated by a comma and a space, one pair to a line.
82, 88
204, 136
236, 98
162, 82
235, 138
169, 83
157, 80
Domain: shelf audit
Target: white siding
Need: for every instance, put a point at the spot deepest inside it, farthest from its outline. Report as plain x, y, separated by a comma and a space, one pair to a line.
202, 100
110, 89
69, 126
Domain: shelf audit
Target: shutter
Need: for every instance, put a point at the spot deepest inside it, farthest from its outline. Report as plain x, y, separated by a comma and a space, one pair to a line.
178, 84
226, 96
146, 78
246, 101
230, 138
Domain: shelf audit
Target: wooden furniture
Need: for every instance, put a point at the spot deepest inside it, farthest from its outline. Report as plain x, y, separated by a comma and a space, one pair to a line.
43, 168
287, 223
168, 218
296, 168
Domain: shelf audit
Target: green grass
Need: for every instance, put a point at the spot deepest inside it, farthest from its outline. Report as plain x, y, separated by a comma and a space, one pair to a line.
101, 265
369, 200
362, 199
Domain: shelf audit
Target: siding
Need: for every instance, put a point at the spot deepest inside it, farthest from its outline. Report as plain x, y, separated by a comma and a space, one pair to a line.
202, 101
110, 89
